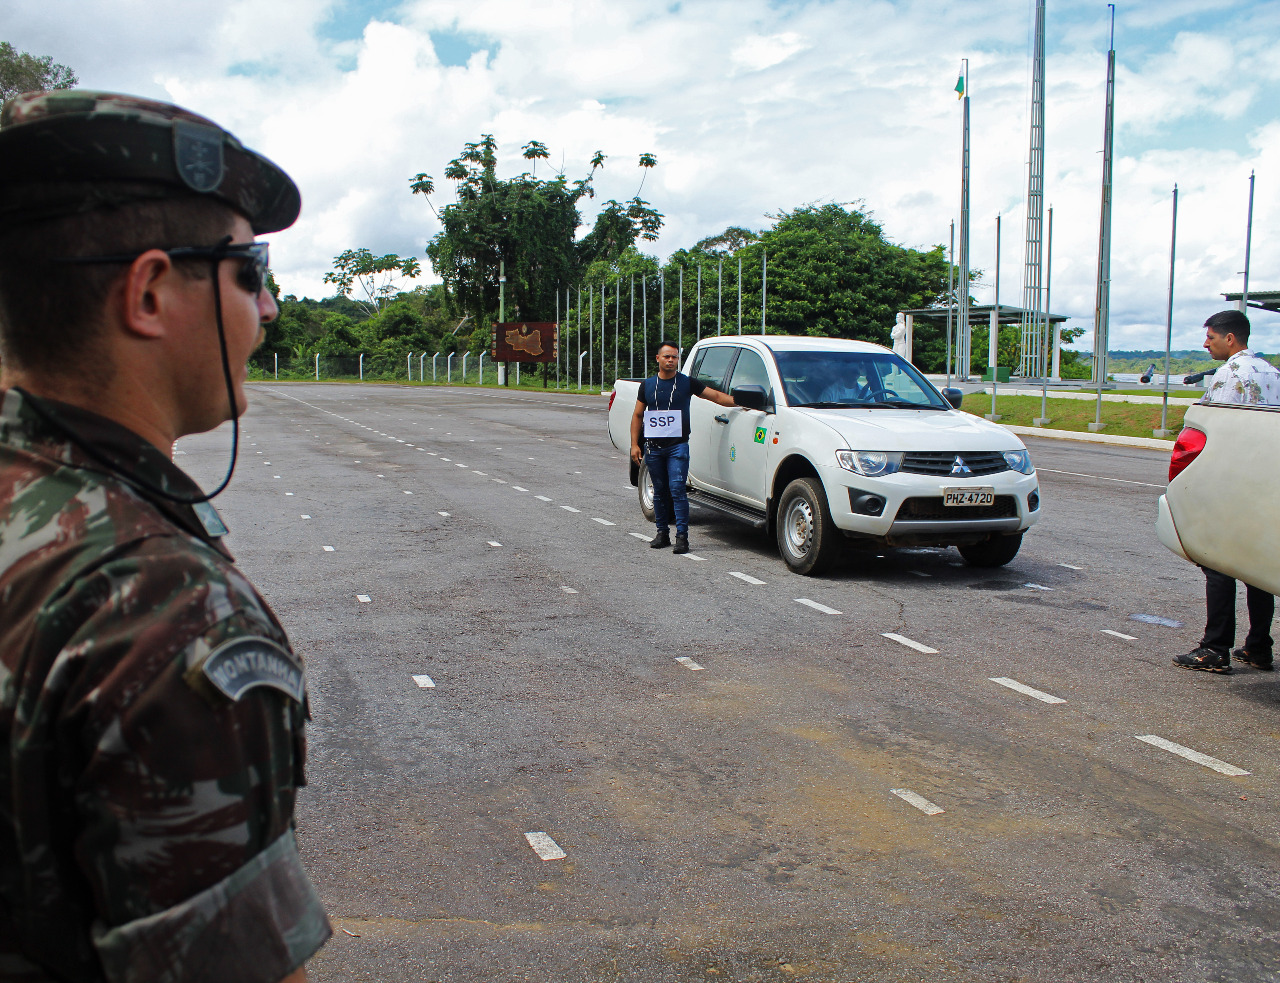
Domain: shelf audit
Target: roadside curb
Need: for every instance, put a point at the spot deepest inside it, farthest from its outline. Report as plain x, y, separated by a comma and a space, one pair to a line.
1092, 438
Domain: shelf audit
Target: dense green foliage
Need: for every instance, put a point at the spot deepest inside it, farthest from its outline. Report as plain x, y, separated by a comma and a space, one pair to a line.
23, 72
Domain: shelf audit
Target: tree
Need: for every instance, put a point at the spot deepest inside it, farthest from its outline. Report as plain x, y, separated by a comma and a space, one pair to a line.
833, 273
23, 72
379, 277
527, 226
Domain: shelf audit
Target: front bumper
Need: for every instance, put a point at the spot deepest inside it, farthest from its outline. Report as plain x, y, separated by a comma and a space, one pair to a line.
895, 489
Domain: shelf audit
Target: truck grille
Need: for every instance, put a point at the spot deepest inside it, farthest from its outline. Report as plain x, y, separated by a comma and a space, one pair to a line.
941, 463
932, 510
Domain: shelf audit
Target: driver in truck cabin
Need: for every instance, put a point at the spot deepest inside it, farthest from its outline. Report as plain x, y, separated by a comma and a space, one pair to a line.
661, 417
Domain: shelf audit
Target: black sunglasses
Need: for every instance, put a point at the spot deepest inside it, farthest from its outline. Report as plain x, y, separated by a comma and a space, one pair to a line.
253, 256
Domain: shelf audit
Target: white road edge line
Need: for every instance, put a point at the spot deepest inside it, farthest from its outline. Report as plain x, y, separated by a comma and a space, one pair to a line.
1119, 634
1025, 690
743, 576
1099, 477
919, 801
544, 846
425, 682
816, 606
1190, 755
688, 663
910, 643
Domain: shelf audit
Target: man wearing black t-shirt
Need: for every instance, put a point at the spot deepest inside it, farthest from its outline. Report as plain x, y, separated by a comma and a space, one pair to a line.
662, 418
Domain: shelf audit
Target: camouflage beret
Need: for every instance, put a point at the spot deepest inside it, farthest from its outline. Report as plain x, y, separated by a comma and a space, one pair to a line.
71, 150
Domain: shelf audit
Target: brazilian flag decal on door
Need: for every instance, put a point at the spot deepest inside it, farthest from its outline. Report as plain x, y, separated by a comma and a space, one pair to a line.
761, 433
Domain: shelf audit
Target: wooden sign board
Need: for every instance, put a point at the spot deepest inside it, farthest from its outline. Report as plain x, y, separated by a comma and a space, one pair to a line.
526, 341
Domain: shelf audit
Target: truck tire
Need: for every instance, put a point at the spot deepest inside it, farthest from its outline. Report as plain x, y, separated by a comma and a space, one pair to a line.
807, 538
995, 552
644, 487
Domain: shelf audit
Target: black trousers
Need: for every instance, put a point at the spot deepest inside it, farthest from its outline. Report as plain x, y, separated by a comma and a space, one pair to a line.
1220, 628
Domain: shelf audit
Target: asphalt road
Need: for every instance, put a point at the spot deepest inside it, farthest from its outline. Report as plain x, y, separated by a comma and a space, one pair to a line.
737, 819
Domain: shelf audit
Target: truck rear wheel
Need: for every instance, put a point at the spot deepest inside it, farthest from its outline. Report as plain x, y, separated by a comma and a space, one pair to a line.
644, 487
995, 552
807, 538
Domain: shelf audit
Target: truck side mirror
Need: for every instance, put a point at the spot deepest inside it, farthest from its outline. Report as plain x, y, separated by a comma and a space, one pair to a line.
953, 396
751, 397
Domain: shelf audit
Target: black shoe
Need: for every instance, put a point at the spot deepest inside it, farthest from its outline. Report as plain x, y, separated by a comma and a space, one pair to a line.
1207, 660
1255, 660
660, 541
682, 544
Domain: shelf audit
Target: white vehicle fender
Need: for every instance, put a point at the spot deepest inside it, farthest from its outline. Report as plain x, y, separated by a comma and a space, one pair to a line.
1168, 532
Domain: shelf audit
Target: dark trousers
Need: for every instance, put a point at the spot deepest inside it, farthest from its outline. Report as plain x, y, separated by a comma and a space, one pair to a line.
669, 469
1220, 627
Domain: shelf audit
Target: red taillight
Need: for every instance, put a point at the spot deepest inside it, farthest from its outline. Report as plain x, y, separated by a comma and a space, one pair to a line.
1187, 448
612, 396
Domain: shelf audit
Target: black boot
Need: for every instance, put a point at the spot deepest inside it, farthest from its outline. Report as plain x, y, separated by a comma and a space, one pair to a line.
682, 544
660, 541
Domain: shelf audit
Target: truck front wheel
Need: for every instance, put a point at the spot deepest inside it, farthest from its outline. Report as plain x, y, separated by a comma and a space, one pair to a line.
994, 552
807, 538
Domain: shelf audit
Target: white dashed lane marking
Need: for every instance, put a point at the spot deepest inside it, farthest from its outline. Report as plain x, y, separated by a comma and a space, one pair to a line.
1026, 690
568, 590
1190, 755
743, 576
919, 801
542, 498
328, 549
364, 598
1037, 587
544, 846
816, 606
425, 682
494, 542
640, 535
695, 556
910, 643
518, 488
1119, 634
445, 514
570, 508
1070, 567
603, 522
688, 663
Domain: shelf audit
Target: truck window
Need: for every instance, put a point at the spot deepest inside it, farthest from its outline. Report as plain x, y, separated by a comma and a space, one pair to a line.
713, 365
749, 371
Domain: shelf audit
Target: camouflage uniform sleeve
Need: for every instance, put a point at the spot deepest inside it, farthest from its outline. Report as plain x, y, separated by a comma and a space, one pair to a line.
185, 789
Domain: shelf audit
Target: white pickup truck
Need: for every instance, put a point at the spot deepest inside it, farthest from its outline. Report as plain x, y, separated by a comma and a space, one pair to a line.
836, 440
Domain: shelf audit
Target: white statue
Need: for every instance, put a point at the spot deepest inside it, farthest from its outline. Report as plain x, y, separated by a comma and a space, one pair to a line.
901, 345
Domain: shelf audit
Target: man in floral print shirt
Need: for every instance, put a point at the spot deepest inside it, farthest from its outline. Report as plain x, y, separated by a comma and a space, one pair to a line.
1252, 381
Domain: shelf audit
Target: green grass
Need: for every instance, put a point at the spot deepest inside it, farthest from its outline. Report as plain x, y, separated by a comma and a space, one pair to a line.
1123, 419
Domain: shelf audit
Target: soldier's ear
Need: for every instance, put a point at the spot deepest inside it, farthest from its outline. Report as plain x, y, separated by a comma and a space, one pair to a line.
145, 296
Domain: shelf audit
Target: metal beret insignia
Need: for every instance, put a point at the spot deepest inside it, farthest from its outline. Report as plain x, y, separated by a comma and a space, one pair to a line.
237, 666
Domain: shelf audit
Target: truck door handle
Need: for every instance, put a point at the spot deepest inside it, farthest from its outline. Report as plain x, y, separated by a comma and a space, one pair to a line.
722, 418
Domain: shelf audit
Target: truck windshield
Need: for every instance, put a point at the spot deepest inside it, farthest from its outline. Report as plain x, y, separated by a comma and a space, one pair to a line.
832, 380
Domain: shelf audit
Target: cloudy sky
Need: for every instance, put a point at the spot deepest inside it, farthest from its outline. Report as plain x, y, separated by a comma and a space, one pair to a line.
751, 107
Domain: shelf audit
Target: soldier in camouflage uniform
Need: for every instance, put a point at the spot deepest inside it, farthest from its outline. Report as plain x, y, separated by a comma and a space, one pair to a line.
151, 710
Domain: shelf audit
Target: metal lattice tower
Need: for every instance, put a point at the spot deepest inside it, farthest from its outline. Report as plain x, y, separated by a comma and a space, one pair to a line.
1033, 320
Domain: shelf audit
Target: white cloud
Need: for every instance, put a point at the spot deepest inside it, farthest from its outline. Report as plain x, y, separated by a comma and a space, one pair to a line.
750, 107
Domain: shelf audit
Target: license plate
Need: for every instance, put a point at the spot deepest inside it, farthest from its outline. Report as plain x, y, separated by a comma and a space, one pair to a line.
968, 496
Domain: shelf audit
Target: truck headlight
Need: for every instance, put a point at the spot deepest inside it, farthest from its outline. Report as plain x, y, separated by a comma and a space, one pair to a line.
1019, 461
872, 464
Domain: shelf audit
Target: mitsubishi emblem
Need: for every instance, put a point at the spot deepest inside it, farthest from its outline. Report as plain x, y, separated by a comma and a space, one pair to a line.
959, 467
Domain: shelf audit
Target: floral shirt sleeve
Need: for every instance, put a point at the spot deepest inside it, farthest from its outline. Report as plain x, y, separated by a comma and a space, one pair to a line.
1245, 378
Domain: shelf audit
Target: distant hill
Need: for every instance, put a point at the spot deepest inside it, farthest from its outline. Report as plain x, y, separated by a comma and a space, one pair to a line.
1183, 361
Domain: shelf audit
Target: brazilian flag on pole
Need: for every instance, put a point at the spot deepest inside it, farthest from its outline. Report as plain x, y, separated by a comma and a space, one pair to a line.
960, 86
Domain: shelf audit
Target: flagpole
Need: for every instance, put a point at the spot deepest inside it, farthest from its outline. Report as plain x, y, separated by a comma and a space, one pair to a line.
951, 294
1168, 329
1102, 309
965, 340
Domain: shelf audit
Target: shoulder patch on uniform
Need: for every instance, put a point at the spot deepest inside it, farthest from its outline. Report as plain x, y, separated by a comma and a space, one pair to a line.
237, 666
